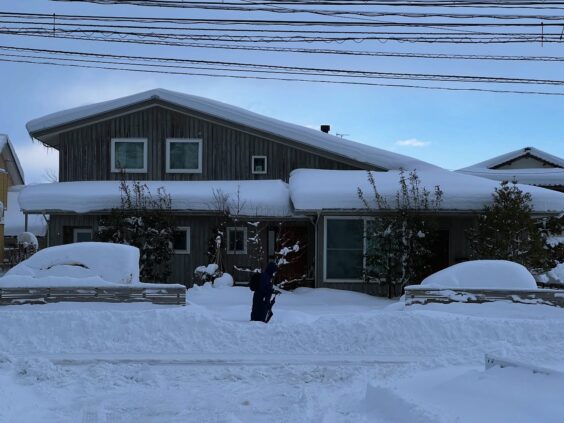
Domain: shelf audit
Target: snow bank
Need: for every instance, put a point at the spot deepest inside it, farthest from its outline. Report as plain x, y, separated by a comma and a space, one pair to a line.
482, 274
307, 136
313, 189
79, 264
224, 281
256, 198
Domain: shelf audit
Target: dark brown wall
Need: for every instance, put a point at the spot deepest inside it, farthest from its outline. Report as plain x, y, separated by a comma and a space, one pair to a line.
85, 151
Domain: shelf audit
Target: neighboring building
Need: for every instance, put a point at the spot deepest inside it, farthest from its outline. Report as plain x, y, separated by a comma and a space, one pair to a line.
11, 183
526, 166
279, 172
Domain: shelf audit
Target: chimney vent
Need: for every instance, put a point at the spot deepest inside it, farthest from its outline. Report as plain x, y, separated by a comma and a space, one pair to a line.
325, 128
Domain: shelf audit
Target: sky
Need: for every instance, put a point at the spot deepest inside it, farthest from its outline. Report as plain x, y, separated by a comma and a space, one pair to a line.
449, 129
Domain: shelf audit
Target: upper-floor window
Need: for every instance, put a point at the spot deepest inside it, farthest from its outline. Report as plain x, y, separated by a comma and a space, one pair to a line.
129, 155
258, 164
183, 155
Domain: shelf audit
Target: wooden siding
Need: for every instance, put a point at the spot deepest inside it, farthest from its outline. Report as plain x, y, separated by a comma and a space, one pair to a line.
227, 151
183, 265
457, 252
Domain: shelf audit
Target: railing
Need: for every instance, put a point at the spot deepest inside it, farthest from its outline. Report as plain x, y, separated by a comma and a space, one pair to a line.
423, 295
154, 293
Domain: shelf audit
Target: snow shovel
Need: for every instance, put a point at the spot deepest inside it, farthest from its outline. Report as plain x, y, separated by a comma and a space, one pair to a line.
269, 313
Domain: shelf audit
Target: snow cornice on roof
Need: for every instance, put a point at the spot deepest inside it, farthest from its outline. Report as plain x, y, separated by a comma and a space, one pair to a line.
348, 149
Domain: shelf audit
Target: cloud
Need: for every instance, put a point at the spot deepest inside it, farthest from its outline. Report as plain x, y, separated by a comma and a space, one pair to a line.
412, 142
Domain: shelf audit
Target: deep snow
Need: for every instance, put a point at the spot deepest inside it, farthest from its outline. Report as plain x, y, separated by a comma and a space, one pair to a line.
327, 356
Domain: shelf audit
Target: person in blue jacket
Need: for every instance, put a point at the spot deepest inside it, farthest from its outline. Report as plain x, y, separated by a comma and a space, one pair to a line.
263, 293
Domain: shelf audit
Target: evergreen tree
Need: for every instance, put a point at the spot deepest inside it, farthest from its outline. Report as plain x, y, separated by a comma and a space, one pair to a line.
400, 236
143, 221
506, 231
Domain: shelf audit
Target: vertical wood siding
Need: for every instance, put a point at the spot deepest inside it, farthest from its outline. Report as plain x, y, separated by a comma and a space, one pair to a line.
227, 152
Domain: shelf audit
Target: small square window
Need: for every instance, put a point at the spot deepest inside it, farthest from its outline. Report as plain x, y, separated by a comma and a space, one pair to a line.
181, 240
237, 240
183, 155
129, 155
81, 235
259, 165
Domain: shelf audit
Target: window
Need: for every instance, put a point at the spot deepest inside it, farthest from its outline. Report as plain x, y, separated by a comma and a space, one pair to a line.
344, 249
181, 240
129, 155
183, 155
237, 240
81, 235
258, 164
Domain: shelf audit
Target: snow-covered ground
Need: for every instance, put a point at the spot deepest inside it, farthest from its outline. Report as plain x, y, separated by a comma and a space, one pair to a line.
327, 356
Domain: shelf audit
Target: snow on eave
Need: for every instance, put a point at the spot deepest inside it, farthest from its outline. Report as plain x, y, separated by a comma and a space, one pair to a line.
536, 176
265, 198
487, 165
333, 145
315, 190
5, 142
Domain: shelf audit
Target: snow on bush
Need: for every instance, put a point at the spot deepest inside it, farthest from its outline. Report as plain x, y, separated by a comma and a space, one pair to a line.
224, 281
79, 264
26, 239
482, 274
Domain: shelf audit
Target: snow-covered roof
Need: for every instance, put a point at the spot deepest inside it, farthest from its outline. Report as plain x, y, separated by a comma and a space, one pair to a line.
548, 176
251, 198
314, 190
7, 146
14, 219
335, 145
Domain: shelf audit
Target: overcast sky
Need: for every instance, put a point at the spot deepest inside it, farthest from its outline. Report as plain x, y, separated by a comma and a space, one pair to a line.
450, 129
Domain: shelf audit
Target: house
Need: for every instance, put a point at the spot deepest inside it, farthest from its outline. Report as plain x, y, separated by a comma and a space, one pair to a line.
274, 176
11, 183
527, 165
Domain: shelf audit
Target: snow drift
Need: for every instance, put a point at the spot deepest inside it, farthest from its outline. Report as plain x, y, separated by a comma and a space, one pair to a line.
482, 274
79, 264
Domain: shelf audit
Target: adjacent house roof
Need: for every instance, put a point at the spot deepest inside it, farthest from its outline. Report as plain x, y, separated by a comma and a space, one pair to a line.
550, 175
13, 165
41, 127
14, 219
336, 190
246, 198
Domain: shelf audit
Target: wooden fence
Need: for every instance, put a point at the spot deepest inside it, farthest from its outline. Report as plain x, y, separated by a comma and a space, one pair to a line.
156, 294
422, 295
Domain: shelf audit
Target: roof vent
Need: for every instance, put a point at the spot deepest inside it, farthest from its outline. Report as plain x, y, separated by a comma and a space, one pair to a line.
325, 128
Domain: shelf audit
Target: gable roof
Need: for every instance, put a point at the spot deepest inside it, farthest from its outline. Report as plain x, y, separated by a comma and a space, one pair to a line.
533, 176
351, 150
13, 165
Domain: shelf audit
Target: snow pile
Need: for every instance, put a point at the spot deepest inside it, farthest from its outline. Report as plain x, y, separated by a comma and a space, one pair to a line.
251, 198
482, 274
210, 269
224, 281
14, 219
313, 189
79, 264
307, 136
27, 239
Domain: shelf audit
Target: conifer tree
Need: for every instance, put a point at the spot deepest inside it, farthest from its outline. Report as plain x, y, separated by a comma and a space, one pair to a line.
506, 231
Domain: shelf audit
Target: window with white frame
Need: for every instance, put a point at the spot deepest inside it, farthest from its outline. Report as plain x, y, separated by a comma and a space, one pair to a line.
344, 249
129, 155
183, 155
81, 235
181, 240
259, 165
236, 240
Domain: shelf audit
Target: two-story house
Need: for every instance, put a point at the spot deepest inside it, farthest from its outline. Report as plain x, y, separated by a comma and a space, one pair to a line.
276, 171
